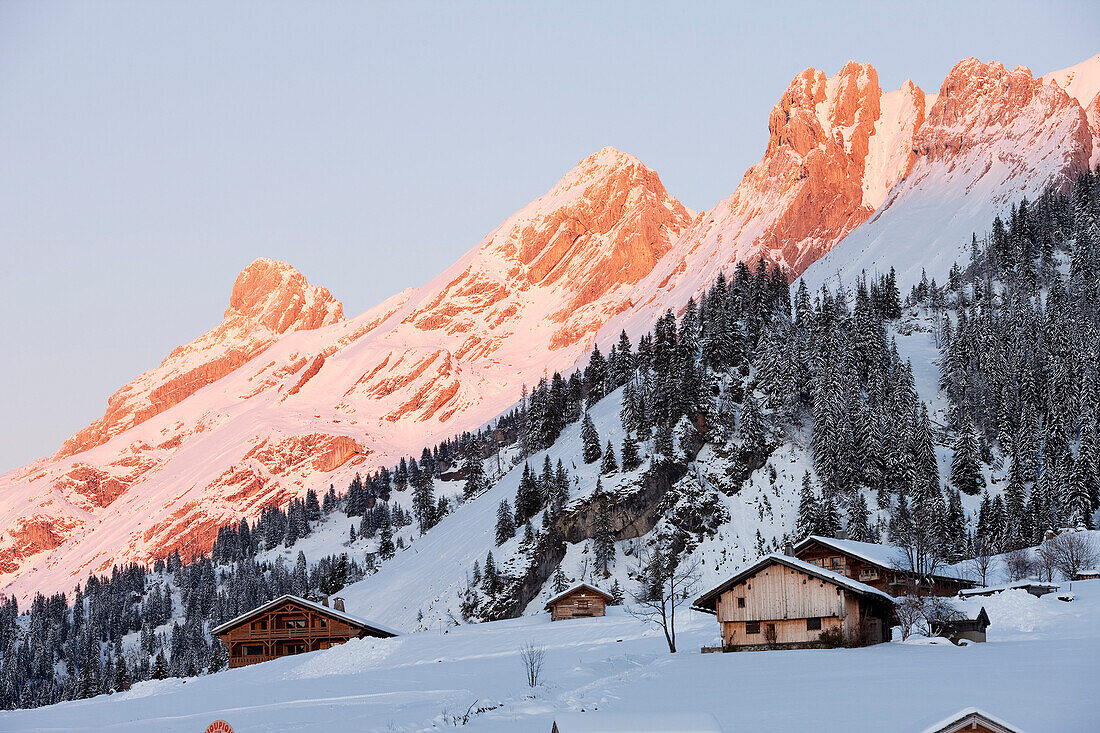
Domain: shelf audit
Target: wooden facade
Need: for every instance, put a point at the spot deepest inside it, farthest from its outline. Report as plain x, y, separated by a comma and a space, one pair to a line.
875, 572
784, 602
290, 625
580, 601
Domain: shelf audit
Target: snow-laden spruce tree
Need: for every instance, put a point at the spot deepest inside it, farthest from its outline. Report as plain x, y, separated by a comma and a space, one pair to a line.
590, 441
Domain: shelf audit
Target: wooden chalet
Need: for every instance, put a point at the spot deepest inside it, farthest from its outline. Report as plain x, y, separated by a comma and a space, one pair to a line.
781, 601
971, 720
580, 601
1090, 574
879, 566
292, 625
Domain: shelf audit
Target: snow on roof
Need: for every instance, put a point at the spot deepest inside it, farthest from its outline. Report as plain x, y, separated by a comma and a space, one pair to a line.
1018, 585
886, 556
791, 562
342, 615
1089, 571
637, 723
946, 725
607, 596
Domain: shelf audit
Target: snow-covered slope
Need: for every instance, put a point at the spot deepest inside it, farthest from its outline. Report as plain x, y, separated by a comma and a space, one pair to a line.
286, 394
1036, 671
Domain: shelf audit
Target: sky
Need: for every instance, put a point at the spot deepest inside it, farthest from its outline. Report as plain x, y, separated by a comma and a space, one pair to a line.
150, 151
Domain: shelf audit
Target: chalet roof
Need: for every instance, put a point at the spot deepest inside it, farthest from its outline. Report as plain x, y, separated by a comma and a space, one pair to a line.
1018, 585
961, 721
889, 557
649, 722
313, 606
708, 600
579, 586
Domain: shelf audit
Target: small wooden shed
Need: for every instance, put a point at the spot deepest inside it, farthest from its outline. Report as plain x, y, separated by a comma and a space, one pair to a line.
781, 601
959, 629
1090, 574
580, 601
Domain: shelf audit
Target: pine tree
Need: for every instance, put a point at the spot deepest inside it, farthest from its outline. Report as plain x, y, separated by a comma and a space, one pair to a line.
752, 427
506, 527
806, 524
609, 464
617, 595
603, 541
476, 481
590, 441
527, 496
630, 453
160, 667
859, 528
491, 582
966, 473
386, 548
558, 581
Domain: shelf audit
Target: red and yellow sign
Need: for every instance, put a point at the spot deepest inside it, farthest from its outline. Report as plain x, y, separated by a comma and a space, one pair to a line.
219, 726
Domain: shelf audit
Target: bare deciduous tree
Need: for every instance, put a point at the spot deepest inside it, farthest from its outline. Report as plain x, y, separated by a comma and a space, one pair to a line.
663, 585
533, 658
1073, 552
1047, 562
1020, 564
979, 566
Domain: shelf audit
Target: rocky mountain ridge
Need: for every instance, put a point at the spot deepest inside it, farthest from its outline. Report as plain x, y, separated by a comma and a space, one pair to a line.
287, 394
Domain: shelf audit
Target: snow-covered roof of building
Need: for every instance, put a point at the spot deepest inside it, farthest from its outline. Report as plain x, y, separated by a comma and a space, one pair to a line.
1089, 571
704, 602
579, 586
964, 719
885, 556
313, 605
1018, 585
655, 722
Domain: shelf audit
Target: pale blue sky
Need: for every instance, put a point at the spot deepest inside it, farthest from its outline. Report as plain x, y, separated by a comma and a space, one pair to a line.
149, 150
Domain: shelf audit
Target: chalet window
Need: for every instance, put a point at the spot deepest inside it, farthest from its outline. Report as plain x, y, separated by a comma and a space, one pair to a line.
813, 624
582, 604
740, 602
752, 627
253, 650
836, 561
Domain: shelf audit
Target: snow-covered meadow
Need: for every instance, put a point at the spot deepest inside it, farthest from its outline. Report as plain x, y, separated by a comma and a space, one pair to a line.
1038, 671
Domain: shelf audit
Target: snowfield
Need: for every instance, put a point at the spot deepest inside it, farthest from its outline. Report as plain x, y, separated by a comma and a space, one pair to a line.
1037, 671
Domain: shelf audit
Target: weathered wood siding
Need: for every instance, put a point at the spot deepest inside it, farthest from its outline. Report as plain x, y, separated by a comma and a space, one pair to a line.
581, 604
777, 593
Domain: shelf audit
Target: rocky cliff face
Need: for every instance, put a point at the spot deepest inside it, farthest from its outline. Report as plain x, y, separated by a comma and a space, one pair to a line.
991, 137
285, 394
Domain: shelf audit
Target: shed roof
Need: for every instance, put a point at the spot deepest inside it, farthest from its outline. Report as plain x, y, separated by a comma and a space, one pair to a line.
962, 720
653, 722
312, 605
579, 586
708, 600
885, 556
1018, 585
